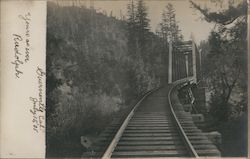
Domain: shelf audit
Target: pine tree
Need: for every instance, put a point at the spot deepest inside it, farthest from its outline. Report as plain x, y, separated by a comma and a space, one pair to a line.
131, 15
142, 24
131, 24
169, 27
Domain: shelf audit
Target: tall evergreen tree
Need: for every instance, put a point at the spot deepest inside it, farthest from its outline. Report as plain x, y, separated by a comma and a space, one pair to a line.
169, 29
131, 24
142, 24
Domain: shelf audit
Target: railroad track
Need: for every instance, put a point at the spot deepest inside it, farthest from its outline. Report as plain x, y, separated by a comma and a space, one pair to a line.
158, 126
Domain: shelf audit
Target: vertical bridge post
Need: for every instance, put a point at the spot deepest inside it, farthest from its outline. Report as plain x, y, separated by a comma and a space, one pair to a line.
194, 60
186, 63
170, 63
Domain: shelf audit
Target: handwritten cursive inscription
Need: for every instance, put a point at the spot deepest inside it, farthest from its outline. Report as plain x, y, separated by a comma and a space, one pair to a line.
38, 104
22, 46
26, 18
17, 62
40, 76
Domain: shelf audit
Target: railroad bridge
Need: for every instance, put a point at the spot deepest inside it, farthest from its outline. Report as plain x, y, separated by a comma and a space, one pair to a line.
161, 124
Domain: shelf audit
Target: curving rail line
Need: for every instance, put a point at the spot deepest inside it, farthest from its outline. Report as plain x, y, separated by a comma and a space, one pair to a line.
190, 147
158, 127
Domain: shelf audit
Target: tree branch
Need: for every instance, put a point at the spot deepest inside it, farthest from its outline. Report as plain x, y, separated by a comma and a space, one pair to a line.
225, 17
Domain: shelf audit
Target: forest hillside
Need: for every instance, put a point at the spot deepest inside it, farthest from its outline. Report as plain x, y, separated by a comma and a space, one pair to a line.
91, 75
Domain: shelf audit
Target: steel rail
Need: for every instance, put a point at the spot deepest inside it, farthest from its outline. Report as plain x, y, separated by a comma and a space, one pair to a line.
108, 153
192, 151
115, 140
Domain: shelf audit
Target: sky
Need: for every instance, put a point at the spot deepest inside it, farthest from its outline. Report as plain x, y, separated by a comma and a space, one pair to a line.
189, 19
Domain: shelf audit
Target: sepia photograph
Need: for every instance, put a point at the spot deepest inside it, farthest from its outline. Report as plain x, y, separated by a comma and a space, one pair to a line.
146, 78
